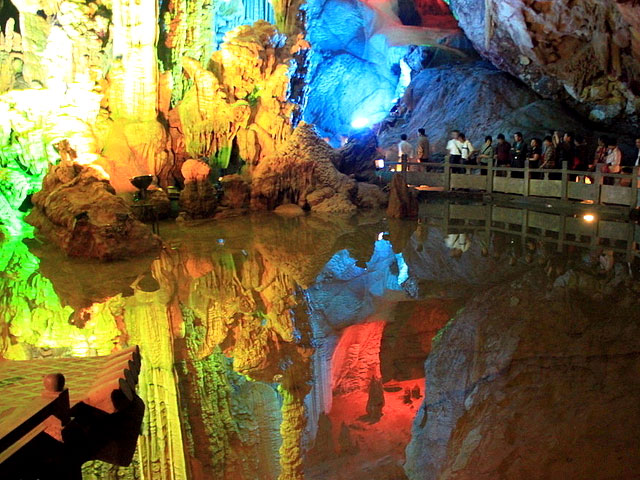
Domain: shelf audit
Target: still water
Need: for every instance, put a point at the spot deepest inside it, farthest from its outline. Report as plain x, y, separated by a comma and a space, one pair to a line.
278, 347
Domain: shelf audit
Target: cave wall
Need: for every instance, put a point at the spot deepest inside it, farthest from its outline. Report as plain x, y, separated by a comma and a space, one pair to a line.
585, 53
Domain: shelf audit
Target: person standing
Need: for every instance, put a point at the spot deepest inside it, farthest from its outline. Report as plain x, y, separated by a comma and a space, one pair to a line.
405, 151
503, 153
600, 155
548, 153
613, 161
566, 151
453, 147
518, 154
486, 153
518, 151
535, 153
423, 146
466, 150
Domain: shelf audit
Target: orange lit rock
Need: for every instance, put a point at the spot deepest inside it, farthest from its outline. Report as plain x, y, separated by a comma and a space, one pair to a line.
85, 218
195, 171
299, 168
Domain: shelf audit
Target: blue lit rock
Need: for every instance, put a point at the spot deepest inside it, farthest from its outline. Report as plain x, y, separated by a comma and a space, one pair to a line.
478, 100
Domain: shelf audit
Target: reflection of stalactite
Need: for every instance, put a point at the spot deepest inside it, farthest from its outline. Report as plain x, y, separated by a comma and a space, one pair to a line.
160, 446
291, 429
206, 395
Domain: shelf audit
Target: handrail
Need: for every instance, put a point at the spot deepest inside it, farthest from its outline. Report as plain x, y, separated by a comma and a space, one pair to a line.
614, 188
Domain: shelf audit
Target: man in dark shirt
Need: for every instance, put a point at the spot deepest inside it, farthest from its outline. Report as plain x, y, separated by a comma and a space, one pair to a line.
518, 151
566, 151
503, 152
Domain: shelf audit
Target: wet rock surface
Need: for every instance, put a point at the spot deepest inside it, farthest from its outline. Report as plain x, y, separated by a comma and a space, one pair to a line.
541, 387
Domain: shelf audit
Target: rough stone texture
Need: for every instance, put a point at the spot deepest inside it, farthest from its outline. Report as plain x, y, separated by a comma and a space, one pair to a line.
241, 97
587, 52
300, 167
355, 64
77, 210
477, 100
358, 154
236, 191
529, 382
370, 196
198, 198
403, 202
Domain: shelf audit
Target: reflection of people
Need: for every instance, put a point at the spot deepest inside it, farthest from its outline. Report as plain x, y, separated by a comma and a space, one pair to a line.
458, 243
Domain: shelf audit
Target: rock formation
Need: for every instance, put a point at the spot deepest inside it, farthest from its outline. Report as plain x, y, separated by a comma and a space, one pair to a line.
302, 172
198, 198
477, 100
403, 202
537, 387
586, 53
77, 209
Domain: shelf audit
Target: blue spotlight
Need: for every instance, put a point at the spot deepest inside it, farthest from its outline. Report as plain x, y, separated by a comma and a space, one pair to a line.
360, 122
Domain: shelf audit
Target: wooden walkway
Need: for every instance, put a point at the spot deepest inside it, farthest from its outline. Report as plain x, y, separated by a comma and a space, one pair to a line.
594, 187
28, 408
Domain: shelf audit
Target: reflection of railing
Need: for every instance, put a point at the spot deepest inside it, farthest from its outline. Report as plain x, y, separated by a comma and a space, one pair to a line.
560, 229
564, 184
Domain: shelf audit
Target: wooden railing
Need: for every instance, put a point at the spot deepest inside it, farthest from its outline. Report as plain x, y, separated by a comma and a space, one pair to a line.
563, 184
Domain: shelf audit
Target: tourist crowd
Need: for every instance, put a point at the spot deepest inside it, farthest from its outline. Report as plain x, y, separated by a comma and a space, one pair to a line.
551, 152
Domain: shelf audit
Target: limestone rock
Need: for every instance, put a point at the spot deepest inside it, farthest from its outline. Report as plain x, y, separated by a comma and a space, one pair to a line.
540, 389
586, 53
336, 204
370, 196
236, 191
478, 100
85, 218
199, 199
289, 210
402, 201
300, 167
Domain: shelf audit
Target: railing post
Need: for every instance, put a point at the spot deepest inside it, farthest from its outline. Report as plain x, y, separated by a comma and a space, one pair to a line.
490, 172
447, 174
597, 180
634, 187
565, 181
525, 190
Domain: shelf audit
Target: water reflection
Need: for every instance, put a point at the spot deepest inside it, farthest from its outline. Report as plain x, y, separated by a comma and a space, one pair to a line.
291, 347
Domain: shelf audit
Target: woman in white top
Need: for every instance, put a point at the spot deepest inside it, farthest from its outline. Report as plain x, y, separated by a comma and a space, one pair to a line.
466, 149
613, 161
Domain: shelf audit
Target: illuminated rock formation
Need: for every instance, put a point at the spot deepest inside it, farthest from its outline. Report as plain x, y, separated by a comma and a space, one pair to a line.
242, 97
302, 172
403, 202
77, 209
198, 198
356, 66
